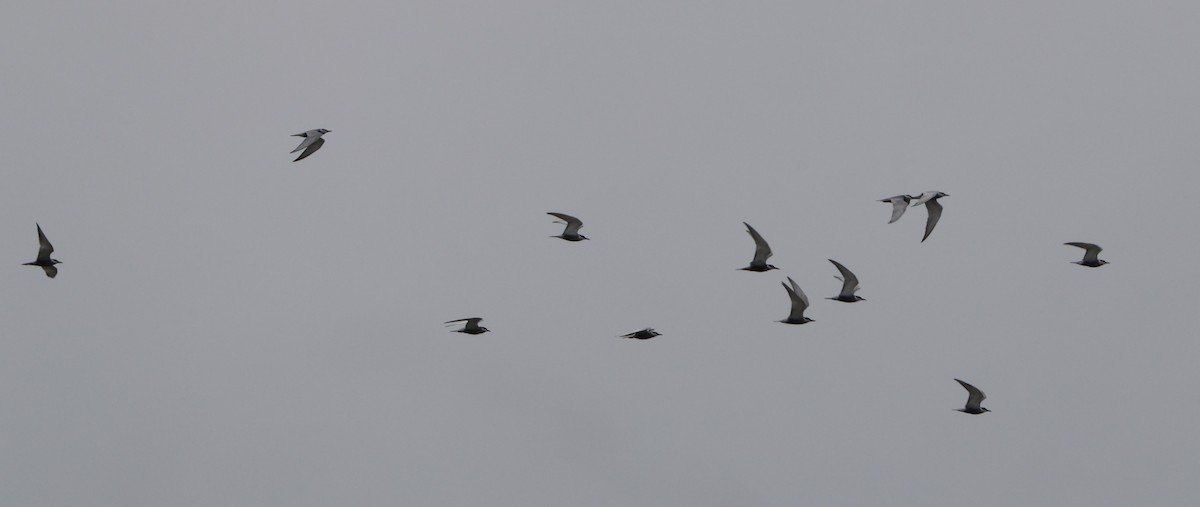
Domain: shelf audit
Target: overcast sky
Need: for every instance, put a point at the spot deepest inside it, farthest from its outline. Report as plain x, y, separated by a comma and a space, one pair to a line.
232, 328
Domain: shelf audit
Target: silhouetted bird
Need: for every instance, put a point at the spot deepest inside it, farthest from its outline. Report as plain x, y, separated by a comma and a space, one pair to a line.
43, 259
974, 398
571, 231
849, 285
311, 143
899, 204
471, 327
644, 334
762, 252
930, 200
799, 304
1090, 255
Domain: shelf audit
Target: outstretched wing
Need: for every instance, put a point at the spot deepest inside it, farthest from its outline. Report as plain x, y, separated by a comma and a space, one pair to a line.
573, 224
799, 300
849, 281
317, 142
44, 249
762, 251
975, 397
51, 271
899, 204
935, 214
1092, 251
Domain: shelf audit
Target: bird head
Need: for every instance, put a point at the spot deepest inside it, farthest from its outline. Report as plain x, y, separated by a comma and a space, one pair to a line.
323, 131
55, 261
582, 237
771, 266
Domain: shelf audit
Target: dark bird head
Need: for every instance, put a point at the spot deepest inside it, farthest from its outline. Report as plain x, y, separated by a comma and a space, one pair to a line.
323, 131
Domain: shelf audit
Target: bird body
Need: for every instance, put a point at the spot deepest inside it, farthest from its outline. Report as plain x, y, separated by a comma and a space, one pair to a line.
471, 327
644, 334
311, 143
43, 259
850, 286
799, 304
762, 252
571, 231
930, 200
974, 398
1091, 254
899, 205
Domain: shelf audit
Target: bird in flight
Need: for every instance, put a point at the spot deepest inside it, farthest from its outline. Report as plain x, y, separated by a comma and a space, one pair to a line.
799, 304
311, 143
43, 258
762, 252
930, 200
471, 327
974, 398
899, 204
644, 334
850, 286
571, 231
1090, 255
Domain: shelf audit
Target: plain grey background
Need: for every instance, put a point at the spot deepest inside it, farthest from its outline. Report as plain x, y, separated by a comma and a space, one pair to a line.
230, 328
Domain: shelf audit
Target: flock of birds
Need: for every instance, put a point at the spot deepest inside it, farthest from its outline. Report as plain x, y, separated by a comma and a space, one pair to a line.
313, 141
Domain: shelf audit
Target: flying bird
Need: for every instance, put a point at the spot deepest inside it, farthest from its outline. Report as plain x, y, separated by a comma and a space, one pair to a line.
644, 334
762, 252
799, 304
471, 327
571, 232
1090, 255
974, 398
43, 258
311, 143
850, 286
899, 204
930, 200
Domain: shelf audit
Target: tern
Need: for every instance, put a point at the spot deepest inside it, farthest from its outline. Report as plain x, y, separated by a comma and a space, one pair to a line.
43, 259
974, 398
929, 199
1090, 255
571, 232
644, 334
311, 143
762, 252
471, 327
799, 304
899, 204
849, 285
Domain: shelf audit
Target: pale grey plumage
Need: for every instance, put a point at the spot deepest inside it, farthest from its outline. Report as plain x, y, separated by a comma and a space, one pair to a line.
762, 252
849, 293
974, 398
930, 200
1091, 254
311, 143
799, 303
571, 231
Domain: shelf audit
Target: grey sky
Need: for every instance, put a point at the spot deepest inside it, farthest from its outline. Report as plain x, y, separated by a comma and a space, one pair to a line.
232, 328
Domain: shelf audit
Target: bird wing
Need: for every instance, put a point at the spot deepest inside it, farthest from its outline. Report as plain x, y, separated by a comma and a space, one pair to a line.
309, 138
762, 251
899, 204
51, 271
935, 213
849, 281
975, 397
317, 142
799, 300
1092, 253
924, 197
573, 224
471, 323
44, 248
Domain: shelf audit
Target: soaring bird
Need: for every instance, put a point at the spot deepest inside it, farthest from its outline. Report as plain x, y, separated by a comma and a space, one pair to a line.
899, 204
311, 143
850, 286
762, 252
1090, 254
571, 232
43, 258
644, 334
974, 398
799, 304
930, 200
471, 327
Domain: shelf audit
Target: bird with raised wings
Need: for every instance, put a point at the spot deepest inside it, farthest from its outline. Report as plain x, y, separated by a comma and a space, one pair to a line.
571, 231
850, 286
471, 327
899, 205
762, 252
43, 258
311, 143
974, 398
1091, 254
799, 304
